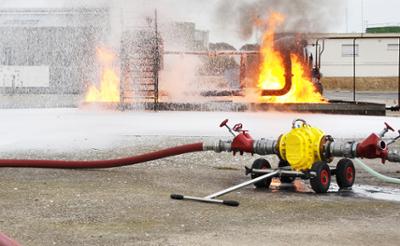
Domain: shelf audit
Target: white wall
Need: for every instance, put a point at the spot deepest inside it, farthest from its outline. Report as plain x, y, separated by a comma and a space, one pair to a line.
373, 60
24, 76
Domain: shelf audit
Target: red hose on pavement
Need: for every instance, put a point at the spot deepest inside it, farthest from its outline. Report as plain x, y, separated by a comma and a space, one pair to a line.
6, 241
103, 163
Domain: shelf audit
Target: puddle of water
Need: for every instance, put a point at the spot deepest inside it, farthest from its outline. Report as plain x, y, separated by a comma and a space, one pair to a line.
374, 192
361, 191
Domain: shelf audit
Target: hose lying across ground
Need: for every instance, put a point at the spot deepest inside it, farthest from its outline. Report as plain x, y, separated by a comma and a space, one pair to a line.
196, 147
103, 163
376, 174
6, 241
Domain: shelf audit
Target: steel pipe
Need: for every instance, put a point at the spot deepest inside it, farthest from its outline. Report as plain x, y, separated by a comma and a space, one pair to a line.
393, 156
239, 186
347, 149
288, 79
265, 147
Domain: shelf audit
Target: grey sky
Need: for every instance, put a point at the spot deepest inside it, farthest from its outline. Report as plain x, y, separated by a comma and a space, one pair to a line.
203, 13
375, 12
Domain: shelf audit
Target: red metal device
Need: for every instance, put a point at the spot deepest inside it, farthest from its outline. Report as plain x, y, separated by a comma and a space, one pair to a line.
374, 147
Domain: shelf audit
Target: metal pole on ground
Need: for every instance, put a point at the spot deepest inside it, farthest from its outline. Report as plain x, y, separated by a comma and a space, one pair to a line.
157, 62
316, 53
354, 70
398, 99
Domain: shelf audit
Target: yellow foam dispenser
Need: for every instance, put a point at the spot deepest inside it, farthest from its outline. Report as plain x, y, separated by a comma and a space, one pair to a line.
301, 147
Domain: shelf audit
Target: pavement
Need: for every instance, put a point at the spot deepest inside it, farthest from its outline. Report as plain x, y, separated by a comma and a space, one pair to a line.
73, 100
390, 98
131, 205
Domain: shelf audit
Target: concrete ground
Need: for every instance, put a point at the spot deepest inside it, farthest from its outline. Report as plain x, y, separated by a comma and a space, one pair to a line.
131, 205
62, 101
388, 98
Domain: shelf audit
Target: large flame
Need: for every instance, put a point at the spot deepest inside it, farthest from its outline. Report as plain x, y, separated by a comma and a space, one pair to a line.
109, 84
272, 71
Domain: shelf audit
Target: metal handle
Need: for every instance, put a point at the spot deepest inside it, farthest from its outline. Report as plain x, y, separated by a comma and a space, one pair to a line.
298, 120
385, 130
225, 123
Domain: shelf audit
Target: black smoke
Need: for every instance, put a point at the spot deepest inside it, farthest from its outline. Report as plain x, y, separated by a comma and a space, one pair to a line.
305, 16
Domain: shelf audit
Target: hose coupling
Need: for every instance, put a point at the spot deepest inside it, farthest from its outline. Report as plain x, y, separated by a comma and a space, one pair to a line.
218, 146
265, 147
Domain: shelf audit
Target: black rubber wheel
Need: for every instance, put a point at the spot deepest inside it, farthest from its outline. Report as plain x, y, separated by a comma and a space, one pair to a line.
285, 179
261, 164
345, 173
321, 182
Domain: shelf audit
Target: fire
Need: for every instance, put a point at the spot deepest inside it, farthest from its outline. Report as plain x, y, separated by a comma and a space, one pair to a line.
272, 71
109, 84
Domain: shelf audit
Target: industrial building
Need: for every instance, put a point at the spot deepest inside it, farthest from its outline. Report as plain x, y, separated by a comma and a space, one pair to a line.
376, 55
53, 51
49, 50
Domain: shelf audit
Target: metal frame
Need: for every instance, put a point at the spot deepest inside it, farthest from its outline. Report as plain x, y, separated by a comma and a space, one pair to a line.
319, 50
243, 56
354, 69
398, 104
156, 63
265, 174
151, 97
212, 198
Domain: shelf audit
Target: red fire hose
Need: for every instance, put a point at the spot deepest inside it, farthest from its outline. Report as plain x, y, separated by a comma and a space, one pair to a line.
6, 241
103, 163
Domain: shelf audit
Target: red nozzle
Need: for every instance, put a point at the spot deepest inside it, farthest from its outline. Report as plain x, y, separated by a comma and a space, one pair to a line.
243, 143
372, 147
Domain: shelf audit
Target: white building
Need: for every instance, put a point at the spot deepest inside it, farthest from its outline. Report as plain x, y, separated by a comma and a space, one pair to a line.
376, 55
49, 50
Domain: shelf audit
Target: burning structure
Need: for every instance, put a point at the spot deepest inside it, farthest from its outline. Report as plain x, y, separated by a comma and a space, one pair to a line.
285, 74
284, 67
65, 51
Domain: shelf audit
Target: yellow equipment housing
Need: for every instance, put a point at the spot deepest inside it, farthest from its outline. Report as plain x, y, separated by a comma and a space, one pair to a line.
301, 147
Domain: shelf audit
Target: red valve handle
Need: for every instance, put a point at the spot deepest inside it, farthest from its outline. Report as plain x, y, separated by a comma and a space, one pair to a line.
223, 123
238, 127
389, 127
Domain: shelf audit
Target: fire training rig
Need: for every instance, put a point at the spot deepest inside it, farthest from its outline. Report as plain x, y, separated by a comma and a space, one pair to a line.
304, 152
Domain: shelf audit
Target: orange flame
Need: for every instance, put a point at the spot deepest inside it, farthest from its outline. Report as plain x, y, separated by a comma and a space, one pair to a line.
272, 71
109, 84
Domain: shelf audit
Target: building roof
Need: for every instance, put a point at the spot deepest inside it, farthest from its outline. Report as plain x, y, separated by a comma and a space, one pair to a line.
384, 29
354, 35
